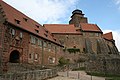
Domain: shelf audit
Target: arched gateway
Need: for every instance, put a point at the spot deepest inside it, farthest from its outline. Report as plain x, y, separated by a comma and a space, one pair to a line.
14, 57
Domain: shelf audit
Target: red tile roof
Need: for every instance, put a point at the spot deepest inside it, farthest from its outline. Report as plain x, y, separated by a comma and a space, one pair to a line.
108, 36
61, 28
90, 27
11, 14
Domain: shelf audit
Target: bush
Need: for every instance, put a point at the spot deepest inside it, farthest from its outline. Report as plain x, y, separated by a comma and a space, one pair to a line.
79, 69
62, 61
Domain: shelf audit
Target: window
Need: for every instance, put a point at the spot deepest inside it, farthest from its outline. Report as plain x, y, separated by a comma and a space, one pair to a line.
25, 19
97, 34
36, 56
55, 39
39, 43
37, 26
36, 40
32, 39
84, 34
49, 46
91, 34
45, 35
37, 31
13, 32
45, 44
67, 36
17, 21
46, 31
51, 60
21, 35
30, 56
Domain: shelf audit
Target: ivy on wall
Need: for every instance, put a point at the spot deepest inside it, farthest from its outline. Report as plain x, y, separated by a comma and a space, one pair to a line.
72, 50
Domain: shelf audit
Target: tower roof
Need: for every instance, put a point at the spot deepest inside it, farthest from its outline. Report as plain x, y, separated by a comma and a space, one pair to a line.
77, 11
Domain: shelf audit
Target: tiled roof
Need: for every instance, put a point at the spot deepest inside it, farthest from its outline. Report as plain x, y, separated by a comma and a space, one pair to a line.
108, 36
90, 27
60, 28
12, 15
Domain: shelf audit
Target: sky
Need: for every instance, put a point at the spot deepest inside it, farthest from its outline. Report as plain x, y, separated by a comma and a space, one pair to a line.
104, 13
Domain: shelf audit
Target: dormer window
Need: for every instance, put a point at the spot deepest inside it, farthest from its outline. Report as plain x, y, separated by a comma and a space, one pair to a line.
55, 39
37, 31
37, 26
46, 35
17, 21
46, 31
25, 19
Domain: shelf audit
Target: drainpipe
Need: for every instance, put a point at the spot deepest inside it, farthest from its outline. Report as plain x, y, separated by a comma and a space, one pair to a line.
42, 54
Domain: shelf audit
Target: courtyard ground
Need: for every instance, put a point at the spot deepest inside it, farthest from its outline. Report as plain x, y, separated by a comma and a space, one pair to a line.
75, 75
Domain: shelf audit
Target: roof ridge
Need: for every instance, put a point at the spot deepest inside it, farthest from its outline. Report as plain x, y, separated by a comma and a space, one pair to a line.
29, 25
58, 24
19, 11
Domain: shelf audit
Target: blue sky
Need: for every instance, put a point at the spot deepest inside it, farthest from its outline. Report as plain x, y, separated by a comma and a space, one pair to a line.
104, 13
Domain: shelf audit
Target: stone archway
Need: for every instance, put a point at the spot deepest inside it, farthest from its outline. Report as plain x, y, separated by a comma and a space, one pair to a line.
14, 57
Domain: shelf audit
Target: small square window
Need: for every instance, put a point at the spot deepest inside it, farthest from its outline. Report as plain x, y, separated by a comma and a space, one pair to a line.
25, 19
46, 31
51, 60
46, 35
37, 31
37, 26
17, 21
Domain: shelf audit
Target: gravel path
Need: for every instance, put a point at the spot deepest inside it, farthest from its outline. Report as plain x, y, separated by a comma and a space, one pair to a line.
75, 75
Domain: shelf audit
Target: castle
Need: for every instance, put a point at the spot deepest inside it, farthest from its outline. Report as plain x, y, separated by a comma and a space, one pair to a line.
23, 40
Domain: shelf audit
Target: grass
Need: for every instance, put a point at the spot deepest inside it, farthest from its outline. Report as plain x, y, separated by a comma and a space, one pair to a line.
107, 75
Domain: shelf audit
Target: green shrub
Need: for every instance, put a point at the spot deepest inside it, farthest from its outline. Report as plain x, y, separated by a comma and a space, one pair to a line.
73, 50
62, 61
79, 69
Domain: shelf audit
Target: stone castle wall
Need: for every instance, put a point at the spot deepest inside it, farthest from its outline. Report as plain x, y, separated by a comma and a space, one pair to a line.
102, 64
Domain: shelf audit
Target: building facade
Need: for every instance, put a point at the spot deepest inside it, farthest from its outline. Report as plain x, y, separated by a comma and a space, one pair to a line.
23, 40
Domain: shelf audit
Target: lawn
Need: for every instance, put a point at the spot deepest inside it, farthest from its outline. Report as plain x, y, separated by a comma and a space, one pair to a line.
107, 75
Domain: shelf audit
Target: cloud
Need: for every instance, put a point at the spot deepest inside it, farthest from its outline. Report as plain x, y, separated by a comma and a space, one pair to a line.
45, 11
116, 34
117, 2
